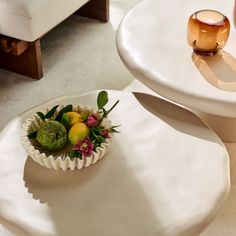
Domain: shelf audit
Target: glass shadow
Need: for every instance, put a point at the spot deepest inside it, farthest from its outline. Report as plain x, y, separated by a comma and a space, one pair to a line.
219, 69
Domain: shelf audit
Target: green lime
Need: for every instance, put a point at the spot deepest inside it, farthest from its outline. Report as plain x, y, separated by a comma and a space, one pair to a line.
52, 135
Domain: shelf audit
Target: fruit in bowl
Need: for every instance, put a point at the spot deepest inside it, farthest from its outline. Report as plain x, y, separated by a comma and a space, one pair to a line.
71, 136
78, 132
52, 135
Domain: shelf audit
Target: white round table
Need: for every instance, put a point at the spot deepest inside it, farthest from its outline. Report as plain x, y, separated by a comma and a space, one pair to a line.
152, 42
166, 174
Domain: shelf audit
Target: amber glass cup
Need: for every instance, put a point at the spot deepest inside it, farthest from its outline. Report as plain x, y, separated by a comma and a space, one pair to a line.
208, 31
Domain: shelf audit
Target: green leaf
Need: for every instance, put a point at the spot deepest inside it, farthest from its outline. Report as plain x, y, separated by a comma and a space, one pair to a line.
51, 112
92, 133
41, 115
32, 135
96, 145
102, 99
100, 139
64, 110
65, 121
75, 154
115, 126
114, 131
97, 130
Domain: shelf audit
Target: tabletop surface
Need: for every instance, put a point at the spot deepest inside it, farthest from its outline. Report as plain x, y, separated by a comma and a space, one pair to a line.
152, 42
166, 174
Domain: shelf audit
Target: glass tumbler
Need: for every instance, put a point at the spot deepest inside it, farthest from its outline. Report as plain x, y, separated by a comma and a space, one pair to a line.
207, 31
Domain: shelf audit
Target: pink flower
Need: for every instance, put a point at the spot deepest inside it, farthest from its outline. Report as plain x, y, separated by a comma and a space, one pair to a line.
84, 147
105, 134
92, 120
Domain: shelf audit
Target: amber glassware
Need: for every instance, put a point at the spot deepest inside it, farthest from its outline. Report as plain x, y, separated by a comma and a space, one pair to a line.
208, 31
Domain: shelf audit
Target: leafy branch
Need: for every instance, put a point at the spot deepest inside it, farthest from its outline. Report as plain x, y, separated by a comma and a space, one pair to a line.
102, 100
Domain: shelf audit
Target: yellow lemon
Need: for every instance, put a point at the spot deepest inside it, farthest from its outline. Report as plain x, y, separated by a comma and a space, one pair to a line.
78, 131
74, 117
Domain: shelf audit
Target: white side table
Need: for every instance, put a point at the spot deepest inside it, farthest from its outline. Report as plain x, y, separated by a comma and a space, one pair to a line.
166, 174
152, 42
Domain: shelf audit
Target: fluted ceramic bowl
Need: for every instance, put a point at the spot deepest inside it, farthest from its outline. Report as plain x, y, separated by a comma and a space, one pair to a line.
59, 159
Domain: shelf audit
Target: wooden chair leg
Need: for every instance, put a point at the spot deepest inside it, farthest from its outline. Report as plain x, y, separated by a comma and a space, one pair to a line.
28, 63
95, 9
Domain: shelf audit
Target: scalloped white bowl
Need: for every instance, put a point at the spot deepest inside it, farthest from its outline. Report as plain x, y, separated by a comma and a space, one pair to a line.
60, 159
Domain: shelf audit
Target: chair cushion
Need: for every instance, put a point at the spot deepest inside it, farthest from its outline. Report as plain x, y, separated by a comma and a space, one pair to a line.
30, 19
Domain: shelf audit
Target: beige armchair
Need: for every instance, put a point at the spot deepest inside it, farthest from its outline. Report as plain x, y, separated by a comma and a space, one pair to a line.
24, 22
